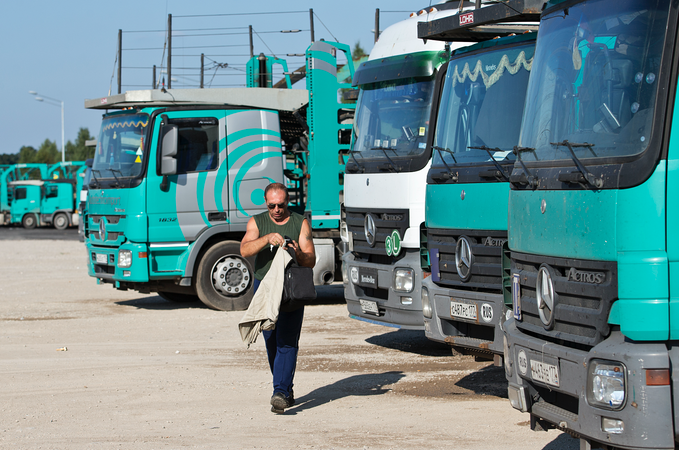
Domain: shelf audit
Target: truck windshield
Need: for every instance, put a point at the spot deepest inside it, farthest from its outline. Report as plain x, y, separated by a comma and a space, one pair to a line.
392, 118
120, 146
481, 106
595, 80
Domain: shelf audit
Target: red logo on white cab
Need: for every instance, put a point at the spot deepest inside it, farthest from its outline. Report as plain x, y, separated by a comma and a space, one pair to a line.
466, 19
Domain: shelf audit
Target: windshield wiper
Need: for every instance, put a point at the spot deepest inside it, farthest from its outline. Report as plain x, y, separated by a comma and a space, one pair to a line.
497, 164
351, 152
530, 179
392, 164
450, 175
113, 172
96, 182
586, 174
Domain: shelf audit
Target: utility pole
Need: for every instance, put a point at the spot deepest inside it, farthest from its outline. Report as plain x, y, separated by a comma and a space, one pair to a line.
252, 46
202, 69
169, 51
120, 61
311, 21
377, 24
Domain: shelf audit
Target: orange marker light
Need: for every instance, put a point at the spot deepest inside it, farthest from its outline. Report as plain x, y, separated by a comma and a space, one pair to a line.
143, 255
657, 377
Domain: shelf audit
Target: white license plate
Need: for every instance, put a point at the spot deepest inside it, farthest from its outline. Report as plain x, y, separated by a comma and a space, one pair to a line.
102, 259
463, 310
546, 373
369, 307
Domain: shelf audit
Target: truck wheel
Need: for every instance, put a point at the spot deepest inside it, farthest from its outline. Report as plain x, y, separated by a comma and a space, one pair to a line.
178, 298
60, 221
225, 278
28, 221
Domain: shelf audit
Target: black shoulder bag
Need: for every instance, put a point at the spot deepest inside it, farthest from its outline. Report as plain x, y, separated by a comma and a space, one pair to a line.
298, 287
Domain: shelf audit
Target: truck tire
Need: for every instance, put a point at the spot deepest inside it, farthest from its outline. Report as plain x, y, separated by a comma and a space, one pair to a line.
28, 221
178, 298
60, 221
224, 279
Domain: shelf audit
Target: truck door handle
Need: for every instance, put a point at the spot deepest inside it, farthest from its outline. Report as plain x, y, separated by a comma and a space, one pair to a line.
216, 216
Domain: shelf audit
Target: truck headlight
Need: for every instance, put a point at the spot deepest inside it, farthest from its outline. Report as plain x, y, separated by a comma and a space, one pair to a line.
606, 384
354, 275
124, 259
403, 280
426, 306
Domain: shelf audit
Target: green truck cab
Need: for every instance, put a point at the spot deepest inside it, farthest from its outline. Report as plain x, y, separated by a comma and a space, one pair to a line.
476, 128
591, 267
177, 174
42, 202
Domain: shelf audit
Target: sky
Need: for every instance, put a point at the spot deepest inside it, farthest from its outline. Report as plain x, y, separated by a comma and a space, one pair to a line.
66, 50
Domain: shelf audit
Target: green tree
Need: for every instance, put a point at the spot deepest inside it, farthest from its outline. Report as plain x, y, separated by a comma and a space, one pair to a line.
48, 153
79, 151
9, 158
27, 155
358, 52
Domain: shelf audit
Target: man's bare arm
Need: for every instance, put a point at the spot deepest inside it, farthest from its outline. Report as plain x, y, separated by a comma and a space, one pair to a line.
305, 250
252, 243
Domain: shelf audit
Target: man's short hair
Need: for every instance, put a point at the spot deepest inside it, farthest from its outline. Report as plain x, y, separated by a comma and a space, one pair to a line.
277, 187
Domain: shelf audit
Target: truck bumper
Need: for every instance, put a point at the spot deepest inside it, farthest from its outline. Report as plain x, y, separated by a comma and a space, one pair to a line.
646, 414
481, 334
103, 263
391, 308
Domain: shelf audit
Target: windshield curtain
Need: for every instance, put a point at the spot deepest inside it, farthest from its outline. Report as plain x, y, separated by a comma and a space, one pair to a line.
595, 80
481, 106
120, 146
392, 117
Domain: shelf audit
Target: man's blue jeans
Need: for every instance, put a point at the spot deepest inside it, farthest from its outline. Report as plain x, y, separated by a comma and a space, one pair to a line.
282, 346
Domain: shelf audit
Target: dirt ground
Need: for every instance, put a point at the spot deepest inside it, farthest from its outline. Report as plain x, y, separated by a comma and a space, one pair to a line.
83, 366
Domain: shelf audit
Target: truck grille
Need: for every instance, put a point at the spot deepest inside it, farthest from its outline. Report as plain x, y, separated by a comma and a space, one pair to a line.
486, 248
582, 307
386, 221
114, 225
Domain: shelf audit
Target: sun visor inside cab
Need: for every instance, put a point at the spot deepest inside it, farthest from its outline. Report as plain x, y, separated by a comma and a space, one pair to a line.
395, 68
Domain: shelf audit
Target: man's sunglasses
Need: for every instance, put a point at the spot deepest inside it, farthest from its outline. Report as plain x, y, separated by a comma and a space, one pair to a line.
273, 205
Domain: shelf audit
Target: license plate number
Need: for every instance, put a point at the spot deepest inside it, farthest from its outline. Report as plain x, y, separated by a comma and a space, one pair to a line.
101, 258
369, 307
546, 373
463, 310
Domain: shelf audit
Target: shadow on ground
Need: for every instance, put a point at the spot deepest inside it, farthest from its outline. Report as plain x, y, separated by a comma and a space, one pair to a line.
489, 380
159, 304
357, 385
410, 341
563, 442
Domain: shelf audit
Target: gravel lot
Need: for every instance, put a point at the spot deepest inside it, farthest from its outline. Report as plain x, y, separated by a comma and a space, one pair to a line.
84, 366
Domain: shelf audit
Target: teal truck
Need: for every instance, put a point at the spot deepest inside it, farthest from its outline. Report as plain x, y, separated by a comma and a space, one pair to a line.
477, 126
177, 174
42, 202
16, 172
385, 178
592, 264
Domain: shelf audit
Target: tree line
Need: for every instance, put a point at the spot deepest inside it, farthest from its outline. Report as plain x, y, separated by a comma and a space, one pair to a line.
48, 152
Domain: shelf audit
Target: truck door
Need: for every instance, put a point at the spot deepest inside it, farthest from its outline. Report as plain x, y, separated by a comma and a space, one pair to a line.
197, 196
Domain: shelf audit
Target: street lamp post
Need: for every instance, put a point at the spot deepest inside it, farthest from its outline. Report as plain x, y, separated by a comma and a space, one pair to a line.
42, 98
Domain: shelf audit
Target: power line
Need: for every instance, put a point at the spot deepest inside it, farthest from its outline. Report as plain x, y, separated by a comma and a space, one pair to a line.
243, 14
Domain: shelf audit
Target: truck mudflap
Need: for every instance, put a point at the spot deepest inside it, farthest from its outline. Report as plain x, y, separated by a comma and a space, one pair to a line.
566, 388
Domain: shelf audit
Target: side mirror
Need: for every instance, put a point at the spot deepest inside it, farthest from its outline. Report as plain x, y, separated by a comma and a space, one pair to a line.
168, 163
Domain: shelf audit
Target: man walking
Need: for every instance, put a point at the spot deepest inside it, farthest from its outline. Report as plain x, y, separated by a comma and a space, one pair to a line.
264, 233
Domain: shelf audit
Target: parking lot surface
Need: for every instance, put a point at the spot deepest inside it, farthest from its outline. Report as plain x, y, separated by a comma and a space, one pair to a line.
85, 366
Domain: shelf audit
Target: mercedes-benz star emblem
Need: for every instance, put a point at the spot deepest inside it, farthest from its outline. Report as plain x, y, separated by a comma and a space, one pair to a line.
464, 258
544, 291
102, 229
369, 229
